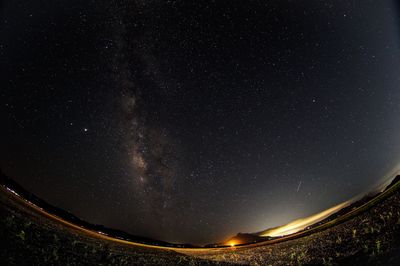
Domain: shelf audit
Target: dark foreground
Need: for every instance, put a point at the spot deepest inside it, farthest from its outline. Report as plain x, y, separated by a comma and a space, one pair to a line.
29, 238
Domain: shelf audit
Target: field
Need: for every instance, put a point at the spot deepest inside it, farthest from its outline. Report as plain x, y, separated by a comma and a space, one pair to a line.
28, 237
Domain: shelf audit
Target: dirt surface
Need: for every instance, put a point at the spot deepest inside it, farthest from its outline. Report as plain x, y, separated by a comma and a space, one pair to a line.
371, 238
29, 238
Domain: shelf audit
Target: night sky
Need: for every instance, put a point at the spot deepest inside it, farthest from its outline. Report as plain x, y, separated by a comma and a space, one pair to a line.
191, 121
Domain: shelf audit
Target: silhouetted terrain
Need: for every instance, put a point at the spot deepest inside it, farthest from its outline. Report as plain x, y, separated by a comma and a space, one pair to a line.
249, 238
29, 238
67, 216
370, 238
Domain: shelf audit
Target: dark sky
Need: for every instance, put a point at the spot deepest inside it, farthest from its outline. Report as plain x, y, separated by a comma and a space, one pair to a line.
190, 121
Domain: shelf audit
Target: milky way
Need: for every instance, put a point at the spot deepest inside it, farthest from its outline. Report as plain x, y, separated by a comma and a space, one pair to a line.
147, 145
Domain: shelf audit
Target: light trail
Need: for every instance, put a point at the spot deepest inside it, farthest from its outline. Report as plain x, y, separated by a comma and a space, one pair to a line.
298, 187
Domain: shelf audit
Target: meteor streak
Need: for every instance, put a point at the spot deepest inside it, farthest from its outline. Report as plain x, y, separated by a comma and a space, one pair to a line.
298, 187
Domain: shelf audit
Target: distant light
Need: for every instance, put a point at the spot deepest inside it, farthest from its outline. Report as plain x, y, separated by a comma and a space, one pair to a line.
12, 191
232, 244
85, 129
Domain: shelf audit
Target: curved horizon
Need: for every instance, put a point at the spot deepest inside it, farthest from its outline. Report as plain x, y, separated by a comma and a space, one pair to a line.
304, 222
281, 231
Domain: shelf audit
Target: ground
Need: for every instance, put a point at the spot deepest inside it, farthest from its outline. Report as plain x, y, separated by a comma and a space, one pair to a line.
29, 238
